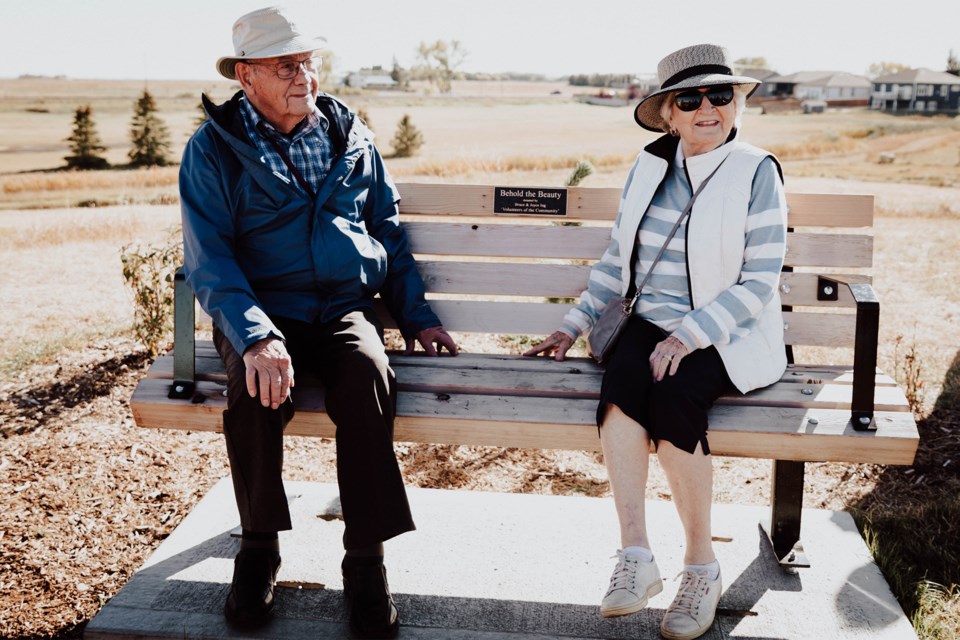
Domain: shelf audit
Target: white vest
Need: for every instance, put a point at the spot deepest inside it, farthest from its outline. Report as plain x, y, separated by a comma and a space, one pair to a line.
716, 238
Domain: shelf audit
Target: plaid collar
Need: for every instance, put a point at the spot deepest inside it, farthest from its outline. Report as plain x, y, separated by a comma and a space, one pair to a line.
306, 126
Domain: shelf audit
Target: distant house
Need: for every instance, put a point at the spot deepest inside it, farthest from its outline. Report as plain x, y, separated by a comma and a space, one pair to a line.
764, 75
374, 78
835, 88
917, 90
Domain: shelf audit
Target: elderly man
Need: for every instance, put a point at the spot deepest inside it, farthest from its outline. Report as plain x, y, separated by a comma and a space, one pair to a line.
291, 228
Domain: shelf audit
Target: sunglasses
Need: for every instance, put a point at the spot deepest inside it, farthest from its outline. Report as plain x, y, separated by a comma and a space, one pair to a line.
691, 100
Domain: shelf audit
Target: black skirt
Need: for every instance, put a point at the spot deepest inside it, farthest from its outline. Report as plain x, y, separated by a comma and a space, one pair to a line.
674, 409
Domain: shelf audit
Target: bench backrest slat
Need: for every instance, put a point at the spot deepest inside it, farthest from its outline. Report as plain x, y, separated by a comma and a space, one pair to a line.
493, 274
567, 281
588, 203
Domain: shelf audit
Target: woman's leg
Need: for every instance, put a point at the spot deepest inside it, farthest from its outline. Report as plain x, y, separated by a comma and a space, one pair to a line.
691, 481
626, 452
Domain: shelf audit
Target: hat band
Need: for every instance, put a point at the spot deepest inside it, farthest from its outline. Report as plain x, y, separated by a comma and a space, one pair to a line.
697, 70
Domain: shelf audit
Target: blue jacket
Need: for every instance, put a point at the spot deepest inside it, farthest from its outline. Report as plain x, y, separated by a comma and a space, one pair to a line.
255, 246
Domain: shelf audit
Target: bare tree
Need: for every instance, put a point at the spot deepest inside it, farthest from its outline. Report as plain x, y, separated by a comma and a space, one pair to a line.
878, 69
439, 61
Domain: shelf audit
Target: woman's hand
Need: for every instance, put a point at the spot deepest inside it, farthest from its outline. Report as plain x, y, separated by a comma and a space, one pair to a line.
556, 344
666, 357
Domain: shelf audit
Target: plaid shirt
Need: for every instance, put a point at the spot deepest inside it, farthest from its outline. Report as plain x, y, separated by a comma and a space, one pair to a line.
308, 146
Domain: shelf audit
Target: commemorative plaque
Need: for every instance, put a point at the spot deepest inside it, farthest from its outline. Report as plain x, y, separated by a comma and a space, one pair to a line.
533, 201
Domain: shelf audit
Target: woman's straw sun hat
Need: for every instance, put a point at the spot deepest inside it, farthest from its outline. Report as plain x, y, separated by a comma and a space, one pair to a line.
702, 65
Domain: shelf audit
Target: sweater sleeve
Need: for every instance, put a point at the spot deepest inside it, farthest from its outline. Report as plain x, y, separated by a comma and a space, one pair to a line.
604, 283
734, 312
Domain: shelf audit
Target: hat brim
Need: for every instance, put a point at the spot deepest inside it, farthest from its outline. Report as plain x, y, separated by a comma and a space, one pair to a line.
647, 113
226, 66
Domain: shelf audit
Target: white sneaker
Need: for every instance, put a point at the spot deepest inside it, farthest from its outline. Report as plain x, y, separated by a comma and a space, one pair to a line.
632, 583
691, 613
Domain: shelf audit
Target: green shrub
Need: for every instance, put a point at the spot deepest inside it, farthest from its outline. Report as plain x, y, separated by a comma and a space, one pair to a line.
149, 272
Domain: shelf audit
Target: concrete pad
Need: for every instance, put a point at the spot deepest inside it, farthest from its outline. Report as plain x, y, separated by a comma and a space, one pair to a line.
487, 565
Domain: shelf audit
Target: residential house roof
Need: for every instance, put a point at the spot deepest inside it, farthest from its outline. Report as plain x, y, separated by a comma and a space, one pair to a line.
822, 79
763, 75
918, 76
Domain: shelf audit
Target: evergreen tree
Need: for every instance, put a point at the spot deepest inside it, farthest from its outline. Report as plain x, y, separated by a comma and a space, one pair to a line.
365, 117
85, 142
201, 114
148, 134
407, 140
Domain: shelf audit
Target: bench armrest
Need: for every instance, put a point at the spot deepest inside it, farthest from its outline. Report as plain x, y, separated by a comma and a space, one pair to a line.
184, 340
864, 349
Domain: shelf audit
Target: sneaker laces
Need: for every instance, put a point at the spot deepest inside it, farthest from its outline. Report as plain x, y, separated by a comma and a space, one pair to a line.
691, 592
624, 574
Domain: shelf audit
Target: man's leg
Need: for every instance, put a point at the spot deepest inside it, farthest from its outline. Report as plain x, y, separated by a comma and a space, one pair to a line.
254, 438
361, 400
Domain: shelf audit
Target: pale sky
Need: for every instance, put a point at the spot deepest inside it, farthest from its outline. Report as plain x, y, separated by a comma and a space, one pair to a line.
181, 39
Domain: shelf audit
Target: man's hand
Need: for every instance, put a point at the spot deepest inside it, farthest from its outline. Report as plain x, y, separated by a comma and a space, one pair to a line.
269, 368
429, 337
556, 344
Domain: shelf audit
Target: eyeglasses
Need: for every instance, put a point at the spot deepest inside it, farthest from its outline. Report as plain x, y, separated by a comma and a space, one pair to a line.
290, 69
690, 100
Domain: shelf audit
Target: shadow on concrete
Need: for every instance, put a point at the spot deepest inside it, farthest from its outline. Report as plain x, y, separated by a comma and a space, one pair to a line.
175, 598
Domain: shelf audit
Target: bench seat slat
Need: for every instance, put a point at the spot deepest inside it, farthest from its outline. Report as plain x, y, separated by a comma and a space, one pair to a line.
210, 368
781, 433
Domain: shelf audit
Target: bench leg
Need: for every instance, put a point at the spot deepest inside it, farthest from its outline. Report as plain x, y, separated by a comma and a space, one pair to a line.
184, 340
786, 497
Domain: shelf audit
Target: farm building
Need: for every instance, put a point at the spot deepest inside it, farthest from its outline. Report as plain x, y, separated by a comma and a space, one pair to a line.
917, 90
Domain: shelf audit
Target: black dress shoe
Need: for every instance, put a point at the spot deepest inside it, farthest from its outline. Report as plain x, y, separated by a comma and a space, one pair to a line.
369, 603
250, 601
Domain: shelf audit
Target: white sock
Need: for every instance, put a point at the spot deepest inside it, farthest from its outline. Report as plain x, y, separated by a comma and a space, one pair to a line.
644, 554
712, 569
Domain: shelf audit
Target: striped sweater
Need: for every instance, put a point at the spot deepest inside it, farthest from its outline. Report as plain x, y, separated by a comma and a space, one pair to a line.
666, 299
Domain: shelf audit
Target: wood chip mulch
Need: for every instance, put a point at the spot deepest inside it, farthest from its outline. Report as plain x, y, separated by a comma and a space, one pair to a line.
88, 496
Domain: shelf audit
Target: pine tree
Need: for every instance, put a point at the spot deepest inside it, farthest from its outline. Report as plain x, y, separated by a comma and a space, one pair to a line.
407, 140
85, 142
365, 117
148, 134
201, 114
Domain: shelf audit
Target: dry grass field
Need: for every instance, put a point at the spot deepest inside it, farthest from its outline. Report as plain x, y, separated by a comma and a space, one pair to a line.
67, 364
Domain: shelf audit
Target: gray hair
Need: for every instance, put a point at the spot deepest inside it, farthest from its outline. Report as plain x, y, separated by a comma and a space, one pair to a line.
740, 92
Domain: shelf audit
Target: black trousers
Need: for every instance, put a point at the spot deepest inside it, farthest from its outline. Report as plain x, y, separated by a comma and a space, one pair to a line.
674, 409
348, 356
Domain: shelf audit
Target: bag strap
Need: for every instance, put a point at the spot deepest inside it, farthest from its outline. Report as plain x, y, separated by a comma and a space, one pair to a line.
293, 168
633, 258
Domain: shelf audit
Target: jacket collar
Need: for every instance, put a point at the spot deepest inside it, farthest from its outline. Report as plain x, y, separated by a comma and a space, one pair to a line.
698, 167
345, 130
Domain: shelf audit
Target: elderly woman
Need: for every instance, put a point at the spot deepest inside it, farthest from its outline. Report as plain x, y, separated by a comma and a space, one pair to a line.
707, 320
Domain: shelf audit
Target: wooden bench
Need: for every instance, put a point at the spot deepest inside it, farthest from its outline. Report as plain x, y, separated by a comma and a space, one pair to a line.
497, 273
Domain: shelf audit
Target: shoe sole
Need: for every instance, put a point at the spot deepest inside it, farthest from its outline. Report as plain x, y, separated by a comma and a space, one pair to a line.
652, 590
687, 636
